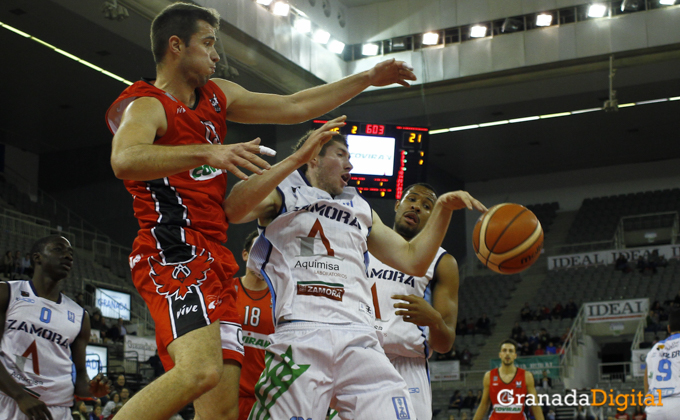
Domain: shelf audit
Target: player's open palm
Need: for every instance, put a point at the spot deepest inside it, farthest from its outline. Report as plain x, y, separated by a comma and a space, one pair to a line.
417, 311
391, 71
33, 408
458, 200
318, 138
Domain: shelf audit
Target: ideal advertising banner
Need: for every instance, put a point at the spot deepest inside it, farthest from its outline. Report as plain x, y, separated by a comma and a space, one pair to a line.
616, 310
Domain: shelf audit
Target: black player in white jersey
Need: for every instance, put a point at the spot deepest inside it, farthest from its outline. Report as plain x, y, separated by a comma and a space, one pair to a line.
43, 334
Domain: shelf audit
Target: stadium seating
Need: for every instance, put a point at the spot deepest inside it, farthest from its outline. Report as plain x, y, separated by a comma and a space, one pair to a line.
546, 213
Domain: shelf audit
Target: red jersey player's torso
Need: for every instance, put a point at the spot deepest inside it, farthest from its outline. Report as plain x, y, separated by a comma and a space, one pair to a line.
255, 314
193, 198
507, 399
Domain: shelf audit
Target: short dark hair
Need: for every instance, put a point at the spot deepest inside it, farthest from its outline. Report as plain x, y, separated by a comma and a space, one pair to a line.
337, 137
508, 341
179, 19
420, 184
249, 240
39, 245
674, 320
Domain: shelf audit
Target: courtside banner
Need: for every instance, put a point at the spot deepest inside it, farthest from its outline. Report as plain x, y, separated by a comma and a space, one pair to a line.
445, 370
145, 347
616, 310
610, 256
639, 359
536, 365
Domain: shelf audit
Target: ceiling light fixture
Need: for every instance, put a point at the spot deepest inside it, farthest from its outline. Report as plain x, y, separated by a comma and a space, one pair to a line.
667, 2
336, 46
370, 49
321, 36
597, 10
281, 8
303, 25
544, 19
478, 31
66, 54
430, 38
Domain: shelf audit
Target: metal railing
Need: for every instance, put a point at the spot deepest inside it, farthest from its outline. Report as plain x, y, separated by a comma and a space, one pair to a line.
26, 228
639, 334
576, 333
616, 371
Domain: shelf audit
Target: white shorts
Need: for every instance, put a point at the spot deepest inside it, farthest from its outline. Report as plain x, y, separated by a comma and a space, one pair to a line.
311, 366
9, 410
669, 410
416, 373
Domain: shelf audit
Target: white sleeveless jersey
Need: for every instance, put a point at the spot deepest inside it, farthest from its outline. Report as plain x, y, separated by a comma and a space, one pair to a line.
314, 255
663, 367
35, 348
401, 338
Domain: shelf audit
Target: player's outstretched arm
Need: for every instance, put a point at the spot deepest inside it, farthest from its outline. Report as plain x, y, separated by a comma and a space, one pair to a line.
260, 108
28, 404
134, 156
257, 197
442, 315
415, 256
84, 387
531, 389
483, 408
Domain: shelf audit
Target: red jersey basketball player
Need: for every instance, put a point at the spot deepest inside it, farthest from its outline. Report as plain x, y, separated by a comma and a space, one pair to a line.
168, 147
506, 388
254, 305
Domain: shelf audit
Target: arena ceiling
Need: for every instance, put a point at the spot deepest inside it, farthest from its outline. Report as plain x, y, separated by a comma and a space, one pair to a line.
55, 104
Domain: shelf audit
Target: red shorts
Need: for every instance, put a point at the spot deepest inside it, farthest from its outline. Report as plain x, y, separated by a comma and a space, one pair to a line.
245, 404
187, 284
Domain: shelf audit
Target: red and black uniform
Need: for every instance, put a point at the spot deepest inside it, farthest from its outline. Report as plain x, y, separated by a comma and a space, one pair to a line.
178, 263
255, 314
507, 399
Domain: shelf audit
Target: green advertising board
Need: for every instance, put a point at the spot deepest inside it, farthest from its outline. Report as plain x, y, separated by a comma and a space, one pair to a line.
536, 365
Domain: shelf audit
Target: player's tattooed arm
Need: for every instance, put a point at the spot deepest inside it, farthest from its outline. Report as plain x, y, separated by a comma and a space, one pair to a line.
28, 404
84, 387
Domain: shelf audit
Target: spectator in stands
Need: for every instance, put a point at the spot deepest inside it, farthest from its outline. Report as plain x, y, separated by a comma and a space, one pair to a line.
663, 262
539, 350
484, 325
471, 327
544, 313
456, 401
80, 411
155, 362
464, 416
621, 414
461, 328
581, 413
676, 300
119, 384
26, 267
545, 382
452, 417
533, 339
622, 264
117, 332
526, 313
516, 331
18, 266
466, 358
557, 311
641, 264
96, 413
571, 310
468, 401
478, 399
124, 396
652, 321
114, 402
639, 413
7, 264
543, 338
550, 415
550, 348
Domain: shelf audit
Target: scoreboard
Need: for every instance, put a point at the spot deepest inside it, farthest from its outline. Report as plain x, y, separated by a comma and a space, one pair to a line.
386, 157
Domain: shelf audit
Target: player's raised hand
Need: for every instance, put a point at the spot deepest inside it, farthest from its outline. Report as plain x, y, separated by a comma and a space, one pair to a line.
457, 200
232, 156
312, 146
100, 386
391, 71
417, 311
33, 408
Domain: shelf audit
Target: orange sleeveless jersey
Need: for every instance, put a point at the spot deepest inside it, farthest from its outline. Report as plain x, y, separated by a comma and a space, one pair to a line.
193, 198
255, 315
505, 403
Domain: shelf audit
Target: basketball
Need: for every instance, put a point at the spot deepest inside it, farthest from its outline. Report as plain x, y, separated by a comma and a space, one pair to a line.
508, 238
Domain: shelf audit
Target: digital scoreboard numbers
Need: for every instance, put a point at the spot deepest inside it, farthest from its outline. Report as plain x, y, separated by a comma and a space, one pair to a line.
386, 157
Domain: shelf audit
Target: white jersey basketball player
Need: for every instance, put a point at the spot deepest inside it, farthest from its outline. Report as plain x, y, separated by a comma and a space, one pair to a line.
662, 373
43, 335
416, 313
313, 253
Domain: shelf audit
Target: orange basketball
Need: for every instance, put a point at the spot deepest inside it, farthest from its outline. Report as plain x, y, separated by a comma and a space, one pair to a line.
508, 238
